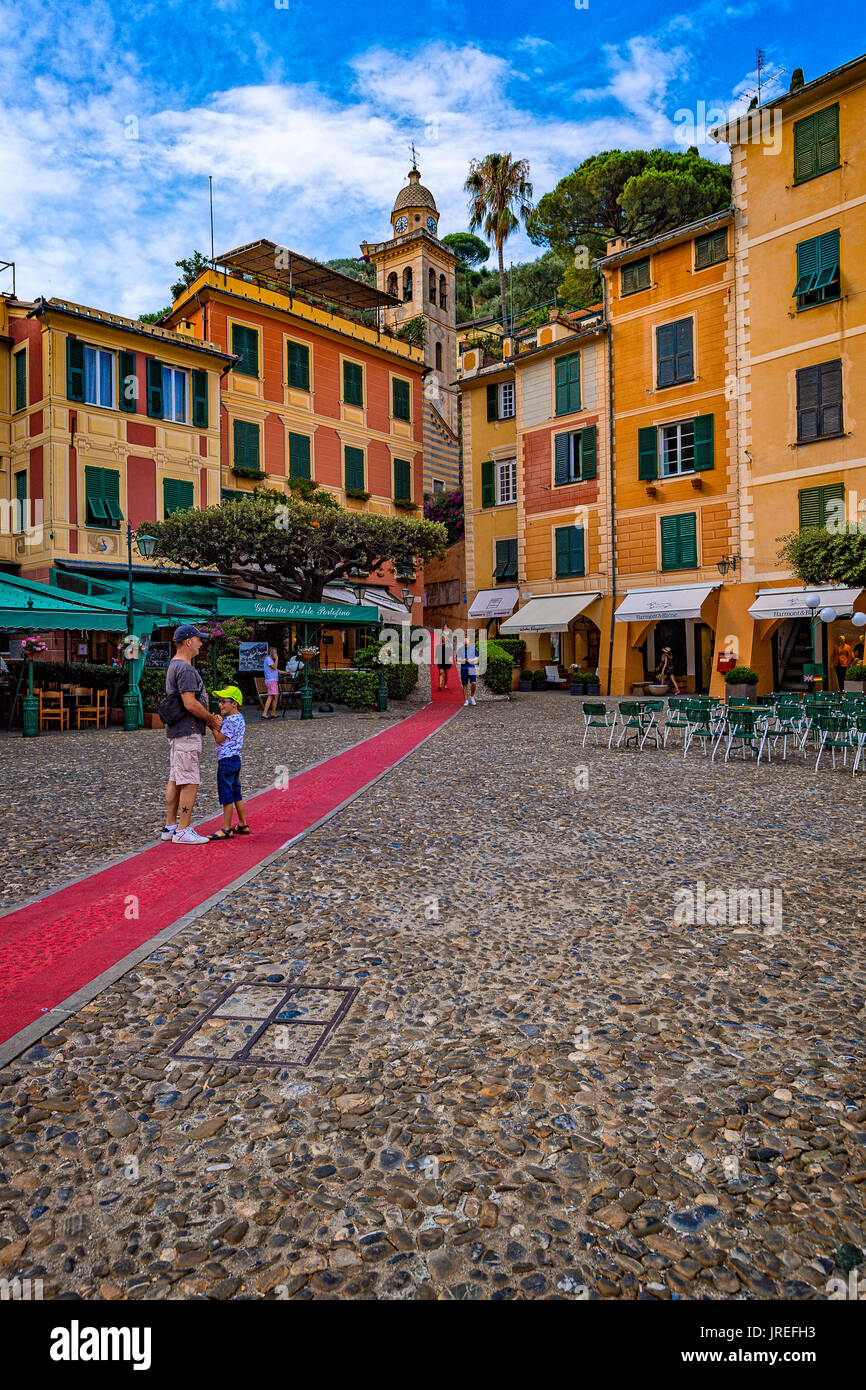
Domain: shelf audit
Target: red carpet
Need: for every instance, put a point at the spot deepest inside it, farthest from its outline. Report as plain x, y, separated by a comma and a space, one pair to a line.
59, 944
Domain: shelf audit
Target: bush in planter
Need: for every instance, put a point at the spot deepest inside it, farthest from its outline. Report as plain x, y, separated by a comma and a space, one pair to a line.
500, 664
526, 677
355, 689
856, 672
539, 680
741, 675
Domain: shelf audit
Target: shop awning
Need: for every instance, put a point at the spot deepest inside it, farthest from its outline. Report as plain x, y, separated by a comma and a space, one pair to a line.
666, 601
494, 603
278, 610
790, 603
552, 613
33, 607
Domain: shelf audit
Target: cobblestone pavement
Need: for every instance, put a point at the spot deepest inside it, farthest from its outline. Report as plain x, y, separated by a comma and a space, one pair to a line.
552, 1084
73, 801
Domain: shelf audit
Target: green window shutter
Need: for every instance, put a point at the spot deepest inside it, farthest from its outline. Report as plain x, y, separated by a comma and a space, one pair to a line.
832, 492
199, 400
128, 391
299, 456
808, 405
493, 402
401, 399
560, 459
246, 446
96, 513
353, 384
805, 162
567, 376
807, 267
811, 512
703, 443
299, 365
576, 550
669, 528
826, 139
506, 560
666, 344
563, 551
688, 540
154, 388
828, 263
711, 249
402, 480
685, 366
245, 344
587, 452
648, 453
20, 380
488, 486
22, 518
830, 386
177, 495
74, 369
354, 469
635, 276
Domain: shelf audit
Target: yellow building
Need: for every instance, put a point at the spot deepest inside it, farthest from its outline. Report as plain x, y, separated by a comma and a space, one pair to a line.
799, 188
670, 305
103, 421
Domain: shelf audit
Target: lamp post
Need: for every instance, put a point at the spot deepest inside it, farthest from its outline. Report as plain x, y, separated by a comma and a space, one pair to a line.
132, 708
306, 692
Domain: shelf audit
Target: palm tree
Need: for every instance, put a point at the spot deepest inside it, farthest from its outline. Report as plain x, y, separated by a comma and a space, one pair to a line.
496, 184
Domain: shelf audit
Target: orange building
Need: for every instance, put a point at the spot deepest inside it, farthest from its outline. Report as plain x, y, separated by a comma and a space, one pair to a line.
670, 305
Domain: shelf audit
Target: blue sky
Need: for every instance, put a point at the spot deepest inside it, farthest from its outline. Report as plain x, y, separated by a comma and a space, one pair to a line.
116, 112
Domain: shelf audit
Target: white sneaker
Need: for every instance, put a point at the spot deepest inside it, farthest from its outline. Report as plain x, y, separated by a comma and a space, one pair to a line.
169, 832
188, 837
465, 703
472, 700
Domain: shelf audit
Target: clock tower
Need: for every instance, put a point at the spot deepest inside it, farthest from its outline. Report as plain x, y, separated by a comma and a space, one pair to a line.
415, 267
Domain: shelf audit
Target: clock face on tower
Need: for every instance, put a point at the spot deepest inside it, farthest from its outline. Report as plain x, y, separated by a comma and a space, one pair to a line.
401, 224
431, 225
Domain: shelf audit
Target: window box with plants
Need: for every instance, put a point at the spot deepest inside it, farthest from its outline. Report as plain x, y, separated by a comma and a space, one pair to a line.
741, 682
256, 473
855, 677
357, 494
404, 504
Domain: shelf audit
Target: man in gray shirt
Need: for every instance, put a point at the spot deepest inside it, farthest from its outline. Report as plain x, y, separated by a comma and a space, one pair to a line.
184, 737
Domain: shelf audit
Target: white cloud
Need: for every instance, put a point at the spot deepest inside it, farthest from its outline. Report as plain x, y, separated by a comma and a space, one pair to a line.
95, 216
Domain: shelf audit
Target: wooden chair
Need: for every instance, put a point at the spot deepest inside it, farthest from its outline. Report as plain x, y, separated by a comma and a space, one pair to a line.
261, 690
52, 709
93, 713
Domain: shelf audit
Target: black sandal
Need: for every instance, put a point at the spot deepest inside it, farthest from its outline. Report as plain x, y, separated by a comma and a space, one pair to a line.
240, 830
221, 835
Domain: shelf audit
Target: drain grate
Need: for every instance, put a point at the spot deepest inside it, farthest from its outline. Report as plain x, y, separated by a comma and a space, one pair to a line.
266, 1025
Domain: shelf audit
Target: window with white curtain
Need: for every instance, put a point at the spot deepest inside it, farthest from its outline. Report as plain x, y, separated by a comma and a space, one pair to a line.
98, 377
174, 394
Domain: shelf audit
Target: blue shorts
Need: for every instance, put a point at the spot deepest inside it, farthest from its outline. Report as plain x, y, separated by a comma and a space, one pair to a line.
467, 673
229, 780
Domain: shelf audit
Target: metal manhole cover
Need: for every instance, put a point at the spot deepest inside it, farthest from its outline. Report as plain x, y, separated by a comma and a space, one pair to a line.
266, 1025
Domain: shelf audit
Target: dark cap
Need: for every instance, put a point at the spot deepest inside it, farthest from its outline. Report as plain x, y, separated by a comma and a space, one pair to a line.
186, 630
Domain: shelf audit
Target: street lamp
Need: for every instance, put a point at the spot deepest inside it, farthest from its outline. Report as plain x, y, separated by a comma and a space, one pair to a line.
132, 707
727, 562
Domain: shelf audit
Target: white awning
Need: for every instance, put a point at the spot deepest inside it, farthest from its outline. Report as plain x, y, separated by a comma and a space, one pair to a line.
665, 601
790, 603
494, 603
553, 613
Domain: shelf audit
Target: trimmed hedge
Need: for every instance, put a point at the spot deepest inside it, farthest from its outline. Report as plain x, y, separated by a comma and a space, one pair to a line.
400, 677
500, 664
515, 645
355, 689
741, 675
98, 677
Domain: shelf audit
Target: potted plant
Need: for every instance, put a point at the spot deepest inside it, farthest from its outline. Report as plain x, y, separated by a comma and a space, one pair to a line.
539, 680
741, 681
855, 677
578, 686
593, 684
525, 680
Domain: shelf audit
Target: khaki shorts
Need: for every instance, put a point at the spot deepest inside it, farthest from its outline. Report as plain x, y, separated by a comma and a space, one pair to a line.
184, 754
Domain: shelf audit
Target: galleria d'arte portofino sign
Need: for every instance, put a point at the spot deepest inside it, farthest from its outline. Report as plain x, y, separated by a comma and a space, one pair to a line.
314, 611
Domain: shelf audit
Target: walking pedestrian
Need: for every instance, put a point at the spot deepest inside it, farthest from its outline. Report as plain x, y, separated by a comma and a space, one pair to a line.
272, 683
230, 740
841, 658
185, 714
446, 655
467, 656
665, 672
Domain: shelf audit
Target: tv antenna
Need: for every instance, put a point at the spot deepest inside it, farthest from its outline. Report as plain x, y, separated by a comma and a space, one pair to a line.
764, 78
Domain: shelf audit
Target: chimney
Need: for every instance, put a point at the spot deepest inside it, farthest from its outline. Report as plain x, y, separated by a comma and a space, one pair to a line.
618, 244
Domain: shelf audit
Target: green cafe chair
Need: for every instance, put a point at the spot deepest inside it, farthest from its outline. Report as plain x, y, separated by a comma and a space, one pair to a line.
596, 715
